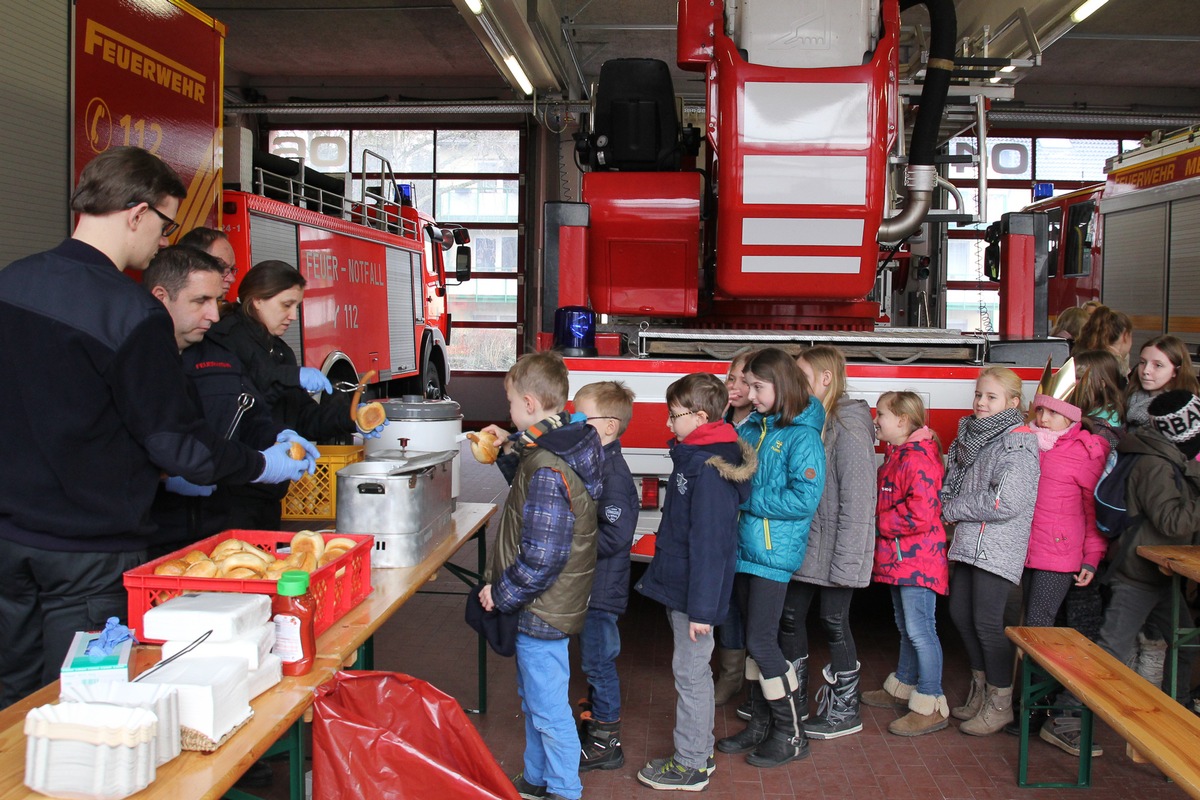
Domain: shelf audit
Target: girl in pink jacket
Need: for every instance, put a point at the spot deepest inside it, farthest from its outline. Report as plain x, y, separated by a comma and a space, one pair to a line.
1064, 545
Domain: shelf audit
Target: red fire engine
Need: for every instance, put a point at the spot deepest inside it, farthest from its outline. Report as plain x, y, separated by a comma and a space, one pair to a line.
1131, 241
776, 241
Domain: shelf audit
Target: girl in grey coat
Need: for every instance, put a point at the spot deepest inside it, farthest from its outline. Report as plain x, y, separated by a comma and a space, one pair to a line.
992, 472
840, 546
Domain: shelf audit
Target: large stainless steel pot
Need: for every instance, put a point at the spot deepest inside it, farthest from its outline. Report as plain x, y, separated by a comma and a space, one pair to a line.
417, 425
405, 503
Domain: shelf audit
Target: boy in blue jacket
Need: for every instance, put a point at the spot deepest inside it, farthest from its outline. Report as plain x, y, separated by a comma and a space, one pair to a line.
608, 407
693, 566
543, 560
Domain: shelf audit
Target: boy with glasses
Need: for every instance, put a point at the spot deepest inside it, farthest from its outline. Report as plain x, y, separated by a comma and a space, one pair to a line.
692, 571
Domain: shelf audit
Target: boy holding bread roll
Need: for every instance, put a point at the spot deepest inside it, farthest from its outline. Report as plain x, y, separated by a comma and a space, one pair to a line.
543, 560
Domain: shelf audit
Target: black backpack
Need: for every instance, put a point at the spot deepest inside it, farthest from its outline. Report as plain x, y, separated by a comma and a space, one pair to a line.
1112, 506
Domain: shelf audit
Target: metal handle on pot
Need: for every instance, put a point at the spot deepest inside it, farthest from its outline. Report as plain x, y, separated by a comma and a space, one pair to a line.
371, 488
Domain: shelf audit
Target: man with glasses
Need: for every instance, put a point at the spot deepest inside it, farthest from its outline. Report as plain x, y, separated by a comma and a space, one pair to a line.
216, 244
95, 409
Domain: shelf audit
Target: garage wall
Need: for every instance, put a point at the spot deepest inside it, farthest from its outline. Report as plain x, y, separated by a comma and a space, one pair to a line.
35, 89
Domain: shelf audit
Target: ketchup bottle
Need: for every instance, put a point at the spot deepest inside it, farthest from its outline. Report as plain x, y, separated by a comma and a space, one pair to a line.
293, 610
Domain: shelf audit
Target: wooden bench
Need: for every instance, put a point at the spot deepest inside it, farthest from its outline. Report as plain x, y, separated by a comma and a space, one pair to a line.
1155, 726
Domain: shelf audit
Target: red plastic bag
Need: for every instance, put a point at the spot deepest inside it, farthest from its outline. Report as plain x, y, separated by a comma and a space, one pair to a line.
391, 736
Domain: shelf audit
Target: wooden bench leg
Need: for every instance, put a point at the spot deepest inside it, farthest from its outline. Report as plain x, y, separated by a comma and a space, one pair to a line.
1037, 683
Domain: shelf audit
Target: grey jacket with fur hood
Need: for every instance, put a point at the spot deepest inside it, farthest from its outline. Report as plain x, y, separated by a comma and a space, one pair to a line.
993, 509
842, 538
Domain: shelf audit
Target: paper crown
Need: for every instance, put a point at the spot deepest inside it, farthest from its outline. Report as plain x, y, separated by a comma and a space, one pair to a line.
1056, 391
1059, 385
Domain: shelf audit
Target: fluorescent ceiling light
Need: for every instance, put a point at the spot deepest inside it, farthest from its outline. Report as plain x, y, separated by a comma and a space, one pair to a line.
1009, 68
476, 6
518, 74
1086, 10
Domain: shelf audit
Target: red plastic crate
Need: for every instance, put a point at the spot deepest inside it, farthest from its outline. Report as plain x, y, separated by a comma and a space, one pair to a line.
335, 593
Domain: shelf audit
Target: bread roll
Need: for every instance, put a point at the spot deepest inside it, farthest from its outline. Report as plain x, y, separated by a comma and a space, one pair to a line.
297, 451
484, 447
340, 542
370, 417
202, 569
195, 556
309, 542
226, 548
241, 561
242, 573
176, 566
261, 555
275, 570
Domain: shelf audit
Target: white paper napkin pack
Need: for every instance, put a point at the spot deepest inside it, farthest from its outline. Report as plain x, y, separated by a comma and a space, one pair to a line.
254, 646
213, 697
269, 673
228, 615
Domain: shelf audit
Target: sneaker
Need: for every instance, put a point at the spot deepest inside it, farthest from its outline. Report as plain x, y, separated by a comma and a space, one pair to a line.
744, 710
1065, 733
711, 766
670, 775
528, 790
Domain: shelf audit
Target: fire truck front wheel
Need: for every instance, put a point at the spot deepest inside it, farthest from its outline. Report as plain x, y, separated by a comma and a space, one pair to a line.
433, 386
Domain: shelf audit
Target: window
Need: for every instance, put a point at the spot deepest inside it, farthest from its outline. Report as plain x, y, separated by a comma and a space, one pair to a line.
1054, 223
1014, 165
469, 177
1081, 225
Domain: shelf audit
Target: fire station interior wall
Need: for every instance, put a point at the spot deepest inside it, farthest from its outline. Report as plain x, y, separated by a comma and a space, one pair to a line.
1183, 296
1135, 257
34, 183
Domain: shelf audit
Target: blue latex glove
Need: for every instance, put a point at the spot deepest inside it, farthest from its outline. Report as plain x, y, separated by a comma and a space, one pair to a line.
114, 633
374, 433
281, 467
182, 486
313, 380
289, 435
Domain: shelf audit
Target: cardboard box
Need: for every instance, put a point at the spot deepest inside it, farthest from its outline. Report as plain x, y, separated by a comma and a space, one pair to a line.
80, 669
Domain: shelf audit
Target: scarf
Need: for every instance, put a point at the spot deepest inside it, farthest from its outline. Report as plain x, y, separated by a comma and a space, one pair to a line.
1046, 438
974, 434
529, 436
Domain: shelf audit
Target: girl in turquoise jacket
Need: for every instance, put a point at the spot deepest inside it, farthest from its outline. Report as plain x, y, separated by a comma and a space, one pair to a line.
785, 430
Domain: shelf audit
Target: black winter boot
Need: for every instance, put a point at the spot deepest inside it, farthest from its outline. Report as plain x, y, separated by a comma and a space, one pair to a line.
601, 746
801, 667
837, 706
785, 741
756, 729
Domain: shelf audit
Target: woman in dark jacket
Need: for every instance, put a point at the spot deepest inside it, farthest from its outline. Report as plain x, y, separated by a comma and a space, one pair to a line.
268, 303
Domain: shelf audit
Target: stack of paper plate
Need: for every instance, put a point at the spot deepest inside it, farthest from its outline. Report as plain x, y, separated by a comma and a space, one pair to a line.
89, 751
162, 700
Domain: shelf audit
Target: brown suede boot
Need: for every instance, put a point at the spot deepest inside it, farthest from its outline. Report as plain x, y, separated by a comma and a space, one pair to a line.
996, 712
974, 697
926, 714
893, 693
731, 665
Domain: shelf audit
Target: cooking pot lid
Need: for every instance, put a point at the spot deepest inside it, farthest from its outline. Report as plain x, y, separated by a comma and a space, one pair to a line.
396, 466
415, 407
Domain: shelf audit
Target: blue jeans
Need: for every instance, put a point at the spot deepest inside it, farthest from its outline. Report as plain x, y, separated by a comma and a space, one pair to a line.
599, 646
551, 740
920, 662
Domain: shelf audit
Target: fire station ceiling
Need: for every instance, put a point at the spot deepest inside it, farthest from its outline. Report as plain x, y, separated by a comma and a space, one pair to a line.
1131, 58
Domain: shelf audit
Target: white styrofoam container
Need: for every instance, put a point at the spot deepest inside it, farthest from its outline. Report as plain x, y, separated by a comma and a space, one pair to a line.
90, 751
228, 615
162, 700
